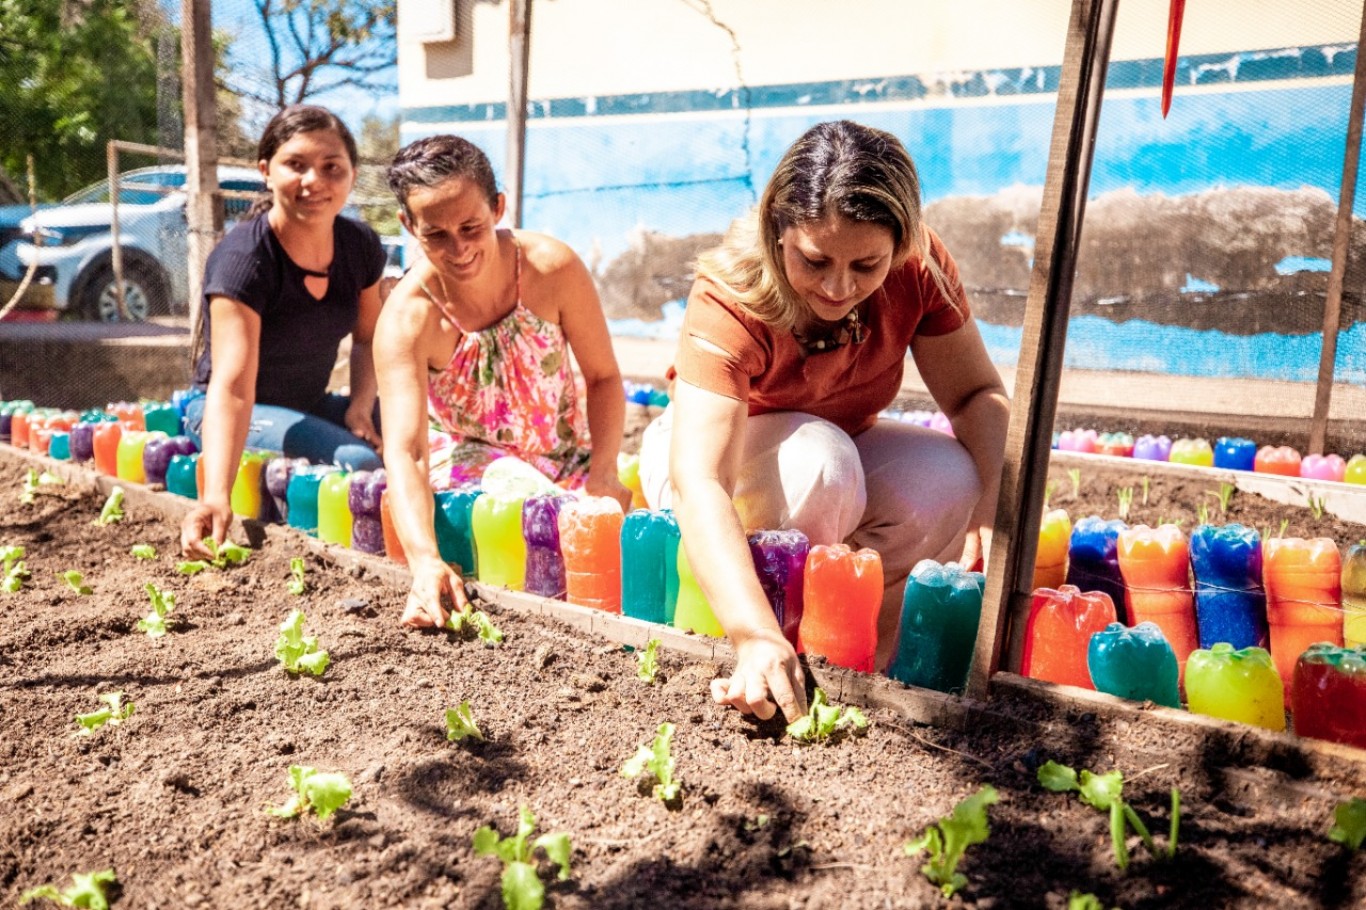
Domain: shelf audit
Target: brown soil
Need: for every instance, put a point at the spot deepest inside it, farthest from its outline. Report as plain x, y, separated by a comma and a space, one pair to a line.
174, 798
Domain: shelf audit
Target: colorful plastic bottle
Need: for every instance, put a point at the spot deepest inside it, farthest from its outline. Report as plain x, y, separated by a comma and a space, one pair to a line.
590, 537
1118, 445
1195, 452
1328, 697
334, 508
83, 441
367, 534
1230, 602
1281, 460
1240, 685
161, 415
1355, 472
1354, 596
1137, 664
1058, 634
692, 611
1323, 467
940, 612
157, 454
393, 546
19, 429
128, 413
454, 525
1235, 453
1303, 580
628, 472
645, 537
276, 480
128, 456
780, 562
1077, 440
544, 561
672, 544
302, 497
39, 439
59, 448
1050, 560
107, 448
842, 594
497, 524
180, 475
245, 496
1152, 448
1155, 564
1093, 557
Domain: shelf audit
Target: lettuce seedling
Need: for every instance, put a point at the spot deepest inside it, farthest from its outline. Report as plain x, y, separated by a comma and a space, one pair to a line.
649, 662
1350, 824
1079, 901
76, 581
87, 890
296, 653
113, 508
460, 724
1105, 792
323, 792
229, 554
191, 566
143, 551
113, 713
33, 484
470, 620
15, 572
297, 585
522, 889
656, 759
949, 839
824, 720
163, 602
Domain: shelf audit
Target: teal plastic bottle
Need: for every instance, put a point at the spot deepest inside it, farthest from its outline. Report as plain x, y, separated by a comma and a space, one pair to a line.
301, 497
671, 541
940, 612
160, 415
1138, 664
645, 537
180, 476
455, 529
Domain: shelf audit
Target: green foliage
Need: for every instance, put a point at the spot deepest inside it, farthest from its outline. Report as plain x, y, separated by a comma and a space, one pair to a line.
656, 759
15, 572
1316, 506
648, 662
1349, 828
143, 551
1146, 482
34, 483
297, 653
947, 841
522, 889
824, 721
297, 585
1106, 793
163, 602
113, 508
1126, 499
1202, 513
1074, 475
1079, 901
1048, 491
229, 554
471, 622
76, 582
323, 792
460, 724
1224, 495
112, 714
87, 890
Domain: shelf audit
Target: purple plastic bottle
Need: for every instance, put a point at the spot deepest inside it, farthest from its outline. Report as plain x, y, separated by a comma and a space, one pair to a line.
544, 561
362, 498
157, 454
83, 441
779, 559
1093, 558
275, 478
1152, 448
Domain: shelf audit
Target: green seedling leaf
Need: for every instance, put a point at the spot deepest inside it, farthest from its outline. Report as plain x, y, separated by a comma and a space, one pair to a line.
1174, 831
471, 621
949, 839
113, 508
1080, 901
1349, 828
1056, 777
112, 714
323, 792
143, 551
657, 759
14, 577
163, 602
87, 890
76, 582
648, 659
297, 586
1102, 790
460, 723
229, 554
522, 888
824, 721
298, 654
11, 554
191, 567
1106, 793
1074, 475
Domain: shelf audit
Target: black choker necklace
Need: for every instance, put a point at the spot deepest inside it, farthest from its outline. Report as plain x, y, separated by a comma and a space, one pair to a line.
849, 330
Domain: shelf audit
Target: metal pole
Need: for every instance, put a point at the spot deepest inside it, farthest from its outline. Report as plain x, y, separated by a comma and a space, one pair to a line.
1342, 243
1035, 400
519, 49
204, 205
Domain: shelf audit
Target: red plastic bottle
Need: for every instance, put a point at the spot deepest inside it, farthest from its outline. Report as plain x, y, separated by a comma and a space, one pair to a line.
1058, 633
107, 437
1328, 699
843, 594
590, 541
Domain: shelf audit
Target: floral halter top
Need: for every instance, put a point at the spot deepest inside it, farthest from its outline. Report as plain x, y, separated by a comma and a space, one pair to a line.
508, 389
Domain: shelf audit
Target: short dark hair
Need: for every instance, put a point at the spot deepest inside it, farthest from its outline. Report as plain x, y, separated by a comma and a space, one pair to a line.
436, 159
303, 118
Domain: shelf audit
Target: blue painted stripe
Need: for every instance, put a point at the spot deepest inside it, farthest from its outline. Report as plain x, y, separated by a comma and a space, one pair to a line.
1277, 64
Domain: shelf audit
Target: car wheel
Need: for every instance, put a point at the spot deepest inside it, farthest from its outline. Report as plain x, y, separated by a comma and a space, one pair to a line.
145, 292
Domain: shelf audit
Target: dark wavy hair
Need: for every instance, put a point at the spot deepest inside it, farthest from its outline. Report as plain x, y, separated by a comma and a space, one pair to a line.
290, 122
436, 159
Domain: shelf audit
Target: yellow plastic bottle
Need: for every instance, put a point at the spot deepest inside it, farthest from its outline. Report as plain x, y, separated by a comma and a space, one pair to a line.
334, 508
497, 524
128, 456
1236, 685
245, 498
693, 612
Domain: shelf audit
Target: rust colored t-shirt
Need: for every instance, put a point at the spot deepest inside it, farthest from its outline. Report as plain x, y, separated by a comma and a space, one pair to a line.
847, 386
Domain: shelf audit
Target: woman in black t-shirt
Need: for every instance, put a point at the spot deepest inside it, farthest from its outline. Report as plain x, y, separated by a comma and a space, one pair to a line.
281, 291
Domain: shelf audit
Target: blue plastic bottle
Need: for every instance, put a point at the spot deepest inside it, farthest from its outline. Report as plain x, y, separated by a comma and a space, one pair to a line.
647, 538
1138, 664
939, 618
1230, 602
1235, 453
180, 475
1093, 558
455, 530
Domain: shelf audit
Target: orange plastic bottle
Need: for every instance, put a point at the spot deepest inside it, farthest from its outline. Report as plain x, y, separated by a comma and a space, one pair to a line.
107, 448
129, 414
1050, 560
19, 428
590, 541
842, 590
1303, 581
1058, 634
1155, 565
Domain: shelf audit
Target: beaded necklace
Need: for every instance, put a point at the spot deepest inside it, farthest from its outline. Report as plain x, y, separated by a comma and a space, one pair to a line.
848, 330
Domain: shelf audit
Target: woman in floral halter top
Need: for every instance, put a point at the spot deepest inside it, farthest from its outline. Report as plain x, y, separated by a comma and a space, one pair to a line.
472, 355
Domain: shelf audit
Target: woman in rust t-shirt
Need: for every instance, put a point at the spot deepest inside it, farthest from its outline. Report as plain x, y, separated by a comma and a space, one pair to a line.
794, 339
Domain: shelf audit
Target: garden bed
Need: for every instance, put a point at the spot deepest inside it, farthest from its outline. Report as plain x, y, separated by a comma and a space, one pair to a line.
174, 798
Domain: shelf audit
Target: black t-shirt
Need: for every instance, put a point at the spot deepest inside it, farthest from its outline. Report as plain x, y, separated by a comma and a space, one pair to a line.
299, 333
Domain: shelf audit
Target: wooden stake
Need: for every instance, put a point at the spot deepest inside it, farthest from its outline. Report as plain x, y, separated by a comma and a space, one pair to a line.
204, 206
519, 49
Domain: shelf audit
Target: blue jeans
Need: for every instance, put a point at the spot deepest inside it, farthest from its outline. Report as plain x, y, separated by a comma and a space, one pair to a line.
320, 435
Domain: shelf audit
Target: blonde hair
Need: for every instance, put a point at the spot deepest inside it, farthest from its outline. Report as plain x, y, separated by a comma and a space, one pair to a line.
836, 168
